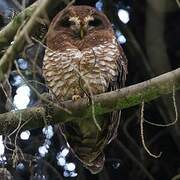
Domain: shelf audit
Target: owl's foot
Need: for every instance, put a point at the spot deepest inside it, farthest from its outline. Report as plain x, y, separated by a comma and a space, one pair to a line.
76, 97
88, 97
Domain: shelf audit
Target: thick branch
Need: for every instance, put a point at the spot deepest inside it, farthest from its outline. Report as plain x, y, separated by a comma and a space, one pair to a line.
107, 102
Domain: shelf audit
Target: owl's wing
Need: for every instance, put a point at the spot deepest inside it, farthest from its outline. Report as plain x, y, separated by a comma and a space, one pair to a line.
118, 83
122, 68
111, 120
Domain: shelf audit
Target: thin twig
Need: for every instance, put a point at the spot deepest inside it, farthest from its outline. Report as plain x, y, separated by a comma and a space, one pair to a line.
142, 133
91, 98
20, 40
175, 109
178, 3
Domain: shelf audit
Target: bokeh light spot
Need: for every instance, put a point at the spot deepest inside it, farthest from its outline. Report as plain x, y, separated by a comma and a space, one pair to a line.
123, 15
25, 135
70, 166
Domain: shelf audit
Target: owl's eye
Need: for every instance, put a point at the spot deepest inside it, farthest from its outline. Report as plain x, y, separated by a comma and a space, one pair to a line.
96, 22
65, 22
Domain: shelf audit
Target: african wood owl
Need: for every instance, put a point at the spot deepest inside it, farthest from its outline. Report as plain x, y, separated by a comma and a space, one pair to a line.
83, 59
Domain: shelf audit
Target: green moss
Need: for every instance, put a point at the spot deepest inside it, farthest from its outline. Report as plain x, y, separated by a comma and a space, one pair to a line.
150, 93
99, 109
147, 95
127, 102
1, 75
17, 20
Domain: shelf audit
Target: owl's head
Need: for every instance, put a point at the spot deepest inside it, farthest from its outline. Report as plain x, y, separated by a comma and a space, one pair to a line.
79, 21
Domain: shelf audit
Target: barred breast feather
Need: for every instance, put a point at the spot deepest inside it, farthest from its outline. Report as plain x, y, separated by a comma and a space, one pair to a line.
76, 72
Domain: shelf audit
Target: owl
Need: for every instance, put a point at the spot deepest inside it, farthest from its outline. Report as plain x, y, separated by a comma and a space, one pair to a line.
83, 59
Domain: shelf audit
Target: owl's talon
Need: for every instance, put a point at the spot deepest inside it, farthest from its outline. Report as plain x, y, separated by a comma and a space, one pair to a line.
76, 97
88, 97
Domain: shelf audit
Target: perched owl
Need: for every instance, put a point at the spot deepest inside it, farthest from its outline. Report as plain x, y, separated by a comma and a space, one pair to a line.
82, 59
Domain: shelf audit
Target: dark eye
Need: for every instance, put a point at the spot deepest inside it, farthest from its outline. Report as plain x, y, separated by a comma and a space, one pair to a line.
65, 22
96, 22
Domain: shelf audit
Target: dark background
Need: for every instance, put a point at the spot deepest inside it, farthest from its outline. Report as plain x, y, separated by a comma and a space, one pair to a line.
152, 47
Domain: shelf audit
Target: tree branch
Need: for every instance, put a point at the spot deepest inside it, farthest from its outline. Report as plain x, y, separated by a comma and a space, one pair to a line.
103, 103
22, 36
9, 31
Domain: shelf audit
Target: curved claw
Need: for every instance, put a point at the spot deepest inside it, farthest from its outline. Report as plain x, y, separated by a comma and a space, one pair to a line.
76, 97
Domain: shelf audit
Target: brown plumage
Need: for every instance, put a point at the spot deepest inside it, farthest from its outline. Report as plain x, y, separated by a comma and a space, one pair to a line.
83, 58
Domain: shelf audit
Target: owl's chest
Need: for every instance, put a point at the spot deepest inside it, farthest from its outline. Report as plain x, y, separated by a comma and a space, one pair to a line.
74, 71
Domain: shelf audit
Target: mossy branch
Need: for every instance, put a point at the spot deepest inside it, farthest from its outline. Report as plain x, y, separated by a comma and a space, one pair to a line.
103, 103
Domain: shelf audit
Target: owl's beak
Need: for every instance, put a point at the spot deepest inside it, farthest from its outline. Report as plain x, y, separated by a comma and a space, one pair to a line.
81, 32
